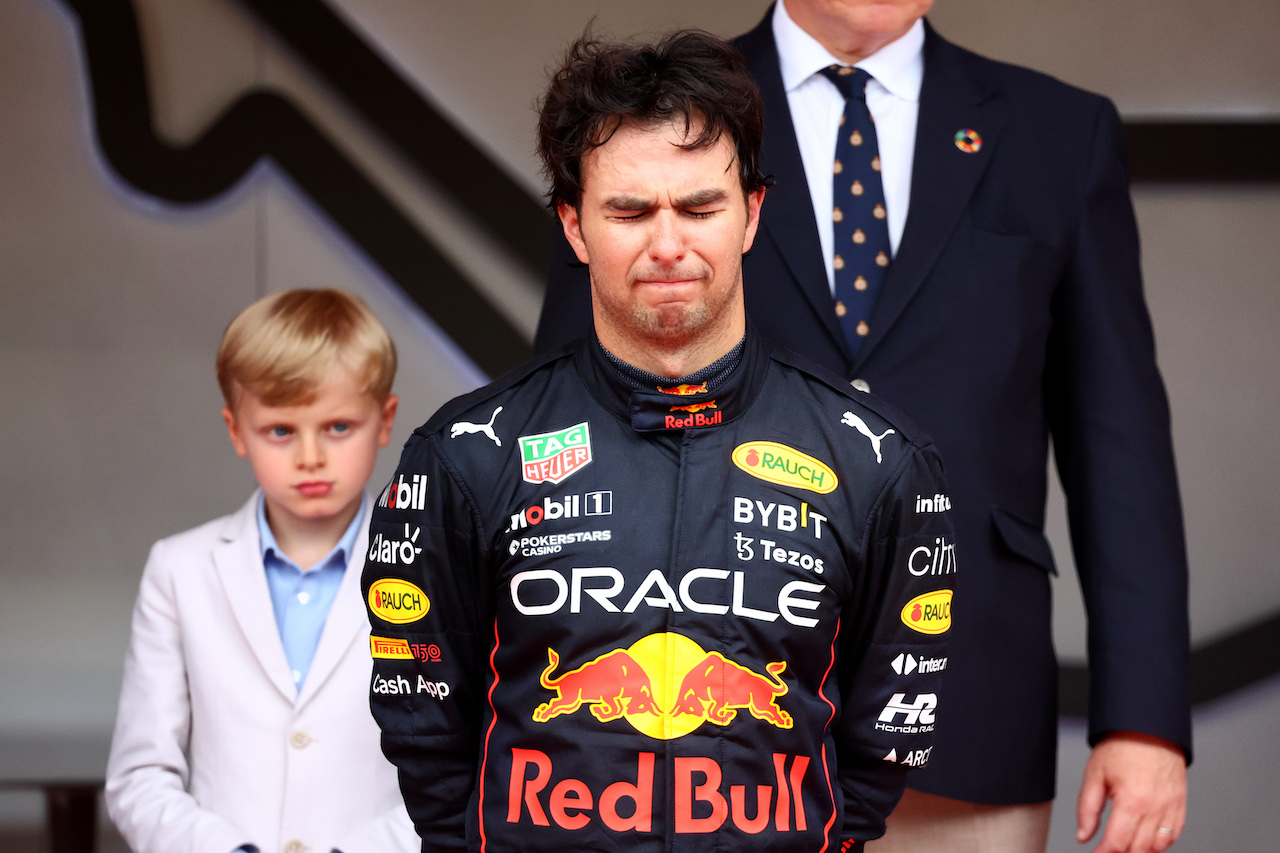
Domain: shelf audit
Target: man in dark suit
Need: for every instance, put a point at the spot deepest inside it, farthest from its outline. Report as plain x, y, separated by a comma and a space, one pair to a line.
1001, 304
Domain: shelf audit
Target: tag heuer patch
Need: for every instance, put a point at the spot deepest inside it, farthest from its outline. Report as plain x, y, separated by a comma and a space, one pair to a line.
551, 457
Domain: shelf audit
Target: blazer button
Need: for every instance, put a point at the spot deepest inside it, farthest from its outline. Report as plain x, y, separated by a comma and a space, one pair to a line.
300, 740
861, 385
295, 846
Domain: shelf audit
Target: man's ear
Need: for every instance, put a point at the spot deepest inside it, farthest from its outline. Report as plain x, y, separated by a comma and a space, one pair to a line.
573, 230
754, 202
233, 432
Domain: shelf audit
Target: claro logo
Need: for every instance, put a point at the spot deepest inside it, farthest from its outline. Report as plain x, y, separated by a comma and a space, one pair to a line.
929, 613
786, 466
397, 601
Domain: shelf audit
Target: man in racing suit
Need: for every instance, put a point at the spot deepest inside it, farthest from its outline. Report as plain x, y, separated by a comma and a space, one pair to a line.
665, 589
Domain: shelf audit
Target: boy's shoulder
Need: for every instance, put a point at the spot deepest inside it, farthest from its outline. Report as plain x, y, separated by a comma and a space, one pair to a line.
225, 528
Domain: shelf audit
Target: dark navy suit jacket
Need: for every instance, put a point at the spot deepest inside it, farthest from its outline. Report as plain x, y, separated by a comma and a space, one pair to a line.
1013, 312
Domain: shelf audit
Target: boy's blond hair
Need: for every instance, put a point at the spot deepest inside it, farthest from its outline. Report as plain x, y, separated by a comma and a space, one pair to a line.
282, 346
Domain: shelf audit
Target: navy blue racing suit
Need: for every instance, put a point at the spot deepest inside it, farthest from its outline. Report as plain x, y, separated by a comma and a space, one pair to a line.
662, 620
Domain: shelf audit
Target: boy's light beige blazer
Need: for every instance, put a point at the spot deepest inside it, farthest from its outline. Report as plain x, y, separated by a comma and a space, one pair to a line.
213, 746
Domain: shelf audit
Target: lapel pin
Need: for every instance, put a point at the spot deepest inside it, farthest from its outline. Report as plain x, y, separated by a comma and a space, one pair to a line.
969, 141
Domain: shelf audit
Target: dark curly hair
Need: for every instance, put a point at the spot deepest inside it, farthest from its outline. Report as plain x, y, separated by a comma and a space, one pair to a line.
689, 76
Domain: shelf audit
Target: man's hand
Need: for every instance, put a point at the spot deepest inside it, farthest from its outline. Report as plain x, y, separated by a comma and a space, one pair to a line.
1145, 778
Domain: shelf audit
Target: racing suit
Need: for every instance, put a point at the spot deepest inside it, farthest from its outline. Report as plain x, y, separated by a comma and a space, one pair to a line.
675, 619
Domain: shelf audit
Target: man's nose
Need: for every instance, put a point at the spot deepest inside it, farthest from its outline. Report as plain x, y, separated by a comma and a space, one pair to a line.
667, 241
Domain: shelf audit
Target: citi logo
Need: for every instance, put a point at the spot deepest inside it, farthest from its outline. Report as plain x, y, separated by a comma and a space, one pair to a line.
905, 664
400, 494
937, 503
938, 560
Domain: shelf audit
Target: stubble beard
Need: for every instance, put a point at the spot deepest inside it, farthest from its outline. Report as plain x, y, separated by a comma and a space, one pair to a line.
675, 323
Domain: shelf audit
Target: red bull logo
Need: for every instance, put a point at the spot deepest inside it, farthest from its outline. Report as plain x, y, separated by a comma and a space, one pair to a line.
638, 684
694, 408
700, 805
612, 685
695, 419
685, 390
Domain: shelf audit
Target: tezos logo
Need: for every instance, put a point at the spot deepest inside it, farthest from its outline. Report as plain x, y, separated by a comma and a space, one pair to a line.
769, 550
384, 550
397, 601
402, 494
551, 457
785, 466
929, 613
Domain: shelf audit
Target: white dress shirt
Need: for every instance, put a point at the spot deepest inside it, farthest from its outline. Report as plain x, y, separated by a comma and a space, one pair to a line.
893, 98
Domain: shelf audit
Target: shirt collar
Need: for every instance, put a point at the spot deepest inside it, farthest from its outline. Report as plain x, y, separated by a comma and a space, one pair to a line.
338, 556
678, 407
898, 66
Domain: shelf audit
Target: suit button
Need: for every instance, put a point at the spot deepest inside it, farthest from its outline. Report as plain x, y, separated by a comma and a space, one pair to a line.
300, 740
861, 385
295, 846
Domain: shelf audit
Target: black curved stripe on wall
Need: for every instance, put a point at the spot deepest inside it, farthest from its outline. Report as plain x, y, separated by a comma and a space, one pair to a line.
264, 124
430, 141
1204, 152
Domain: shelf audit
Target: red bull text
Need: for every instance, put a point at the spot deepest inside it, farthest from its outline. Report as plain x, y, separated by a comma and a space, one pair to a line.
628, 806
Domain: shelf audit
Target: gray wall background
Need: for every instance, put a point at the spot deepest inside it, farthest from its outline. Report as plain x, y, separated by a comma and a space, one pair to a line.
111, 305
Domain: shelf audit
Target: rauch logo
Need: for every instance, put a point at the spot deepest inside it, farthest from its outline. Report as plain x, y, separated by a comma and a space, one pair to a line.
929, 613
786, 466
551, 457
397, 601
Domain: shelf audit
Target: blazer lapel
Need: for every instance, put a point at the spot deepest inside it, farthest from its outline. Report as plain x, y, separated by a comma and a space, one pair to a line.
238, 560
787, 220
346, 622
943, 176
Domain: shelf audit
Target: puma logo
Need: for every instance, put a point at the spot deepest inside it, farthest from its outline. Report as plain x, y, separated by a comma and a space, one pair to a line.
850, 419
463, 427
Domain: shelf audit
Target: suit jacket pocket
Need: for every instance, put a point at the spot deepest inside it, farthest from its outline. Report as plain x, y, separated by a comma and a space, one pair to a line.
1024, 538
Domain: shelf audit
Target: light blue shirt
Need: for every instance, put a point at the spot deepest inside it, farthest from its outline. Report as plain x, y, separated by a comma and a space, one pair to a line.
302, 599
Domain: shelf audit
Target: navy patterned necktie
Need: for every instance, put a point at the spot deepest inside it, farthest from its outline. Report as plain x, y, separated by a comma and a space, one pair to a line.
860, 222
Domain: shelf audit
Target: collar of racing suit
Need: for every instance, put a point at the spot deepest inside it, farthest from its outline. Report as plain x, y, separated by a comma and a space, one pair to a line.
677, 407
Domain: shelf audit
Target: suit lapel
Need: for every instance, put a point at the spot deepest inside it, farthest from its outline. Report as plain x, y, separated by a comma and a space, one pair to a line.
238, 560
943, 177
346, 622
788, 211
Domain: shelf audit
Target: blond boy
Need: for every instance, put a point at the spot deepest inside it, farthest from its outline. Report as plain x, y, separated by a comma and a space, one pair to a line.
243, 722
